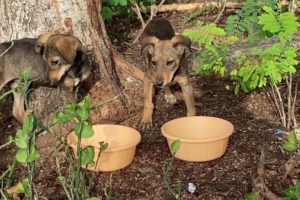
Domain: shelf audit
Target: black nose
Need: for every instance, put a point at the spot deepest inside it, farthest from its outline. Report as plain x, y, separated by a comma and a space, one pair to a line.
159, 82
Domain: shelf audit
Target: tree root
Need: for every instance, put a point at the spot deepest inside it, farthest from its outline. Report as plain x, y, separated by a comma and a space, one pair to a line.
259, 184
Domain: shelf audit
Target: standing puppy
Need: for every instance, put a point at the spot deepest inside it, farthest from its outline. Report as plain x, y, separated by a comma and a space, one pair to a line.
165, 55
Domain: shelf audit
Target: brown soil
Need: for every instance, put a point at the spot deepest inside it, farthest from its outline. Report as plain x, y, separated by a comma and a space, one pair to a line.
228, 177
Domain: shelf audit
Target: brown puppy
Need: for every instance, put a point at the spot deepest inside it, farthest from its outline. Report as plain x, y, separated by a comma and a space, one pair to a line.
65, 57
166, 57
18, 56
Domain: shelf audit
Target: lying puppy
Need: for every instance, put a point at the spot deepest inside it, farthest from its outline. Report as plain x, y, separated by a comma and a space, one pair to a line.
21, 56
165, 55
57, 63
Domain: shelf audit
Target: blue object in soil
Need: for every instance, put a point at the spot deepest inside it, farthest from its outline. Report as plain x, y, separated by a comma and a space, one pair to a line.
279, 132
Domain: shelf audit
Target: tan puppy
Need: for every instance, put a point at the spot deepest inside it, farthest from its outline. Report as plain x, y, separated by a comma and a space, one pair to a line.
165, 55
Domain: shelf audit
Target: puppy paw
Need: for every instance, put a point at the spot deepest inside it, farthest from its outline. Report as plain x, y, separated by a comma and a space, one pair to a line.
170, 98
145, 125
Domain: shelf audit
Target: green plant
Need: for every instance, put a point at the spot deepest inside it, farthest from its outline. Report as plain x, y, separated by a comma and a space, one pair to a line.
166, 168
292, 193
251, 196
244, 22
21, 86
255, 66
123, 8
291, 142
76, 186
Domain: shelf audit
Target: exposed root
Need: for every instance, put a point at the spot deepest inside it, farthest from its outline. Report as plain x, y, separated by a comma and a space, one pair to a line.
259, 182
291, 166
126, 68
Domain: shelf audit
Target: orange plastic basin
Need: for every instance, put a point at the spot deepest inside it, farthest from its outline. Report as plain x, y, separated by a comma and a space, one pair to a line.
122, 141
202, 138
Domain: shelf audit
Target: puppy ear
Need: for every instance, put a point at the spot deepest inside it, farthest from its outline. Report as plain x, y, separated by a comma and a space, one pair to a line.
182, 44
68, 47
148, 47
42, 40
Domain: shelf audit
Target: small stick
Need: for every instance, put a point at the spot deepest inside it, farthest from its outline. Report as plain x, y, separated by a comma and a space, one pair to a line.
221, 11
139, 14
12, 44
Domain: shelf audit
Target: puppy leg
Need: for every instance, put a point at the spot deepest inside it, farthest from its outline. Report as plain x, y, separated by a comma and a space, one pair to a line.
146, 122
188, 95
169, 96
18, 107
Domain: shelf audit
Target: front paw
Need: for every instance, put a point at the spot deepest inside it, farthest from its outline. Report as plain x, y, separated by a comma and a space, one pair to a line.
170, 98
145, 125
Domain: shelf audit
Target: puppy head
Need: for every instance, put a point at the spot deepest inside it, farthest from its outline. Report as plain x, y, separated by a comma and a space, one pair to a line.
60, 52
41, 41
163, 57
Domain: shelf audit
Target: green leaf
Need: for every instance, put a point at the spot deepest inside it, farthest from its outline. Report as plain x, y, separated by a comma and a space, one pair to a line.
175, 146
21, 155
119, 2
22, 186
292, 192
269, 21
87, 155
83, 109
29, 124
33, 154
106, 13
21, 139
251, 196
86, 130
290, 147
63, 117
292, 137
71, 107
93, 198
61, 179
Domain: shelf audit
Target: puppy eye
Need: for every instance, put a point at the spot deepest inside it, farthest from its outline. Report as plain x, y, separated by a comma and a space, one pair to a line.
54, 62
154, 62
170, 62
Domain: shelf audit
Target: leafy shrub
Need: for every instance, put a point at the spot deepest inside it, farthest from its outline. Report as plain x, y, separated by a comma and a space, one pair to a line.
111, 8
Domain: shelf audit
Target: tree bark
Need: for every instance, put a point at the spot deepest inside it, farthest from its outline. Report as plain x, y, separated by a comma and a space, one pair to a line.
29, 18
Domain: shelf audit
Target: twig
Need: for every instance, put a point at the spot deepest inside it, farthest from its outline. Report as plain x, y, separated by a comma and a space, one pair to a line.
138, 13
294, 105
281, 105
289, 82
154, 10
279, 110
221, 11
12, 44
192, 6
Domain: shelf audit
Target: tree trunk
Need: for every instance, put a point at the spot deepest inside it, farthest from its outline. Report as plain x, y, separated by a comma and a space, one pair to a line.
29, 18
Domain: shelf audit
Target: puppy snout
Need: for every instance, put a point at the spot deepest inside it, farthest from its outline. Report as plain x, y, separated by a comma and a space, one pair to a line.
159, 82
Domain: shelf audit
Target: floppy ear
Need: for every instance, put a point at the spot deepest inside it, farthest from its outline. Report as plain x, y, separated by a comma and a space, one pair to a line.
182, 44
42, 39
148, 47
69, 47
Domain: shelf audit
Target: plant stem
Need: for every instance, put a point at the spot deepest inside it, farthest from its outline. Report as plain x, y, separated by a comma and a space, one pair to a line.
289, 82
6, 144
11, 172
6, 94
166, 168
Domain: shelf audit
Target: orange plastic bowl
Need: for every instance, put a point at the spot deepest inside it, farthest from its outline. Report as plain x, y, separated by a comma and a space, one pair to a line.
202, 138
122, 141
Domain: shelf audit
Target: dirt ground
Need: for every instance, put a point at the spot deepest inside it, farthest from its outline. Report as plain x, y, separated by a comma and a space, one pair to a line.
228, 177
